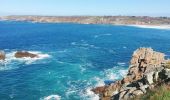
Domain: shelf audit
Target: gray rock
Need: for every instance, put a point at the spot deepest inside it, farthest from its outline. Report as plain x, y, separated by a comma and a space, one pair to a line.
167, 72
121, 95
126, 88
140, 84
156, 76
137, 92
149, 77
143, 88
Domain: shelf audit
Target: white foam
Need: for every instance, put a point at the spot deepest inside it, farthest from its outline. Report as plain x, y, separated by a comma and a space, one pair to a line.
124, 47
96, 36
89, 95
82, 69
121, 63
73, 43
115, 73
63, 51
107, 34
123, 72
52, 97
11, 61
99, 80
28, 60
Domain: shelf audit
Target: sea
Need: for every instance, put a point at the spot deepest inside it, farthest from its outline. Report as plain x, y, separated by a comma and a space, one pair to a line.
73, 58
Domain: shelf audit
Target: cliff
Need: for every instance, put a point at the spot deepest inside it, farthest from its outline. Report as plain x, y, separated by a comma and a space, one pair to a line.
148, 69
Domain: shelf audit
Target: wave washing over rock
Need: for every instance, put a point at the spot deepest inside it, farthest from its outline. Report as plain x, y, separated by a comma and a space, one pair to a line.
10, 60
147, 70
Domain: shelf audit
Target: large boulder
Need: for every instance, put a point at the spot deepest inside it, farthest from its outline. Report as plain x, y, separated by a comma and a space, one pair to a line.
21, 54
2, 55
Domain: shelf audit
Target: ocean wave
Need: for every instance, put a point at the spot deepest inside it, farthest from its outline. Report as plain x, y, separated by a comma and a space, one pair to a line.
124, 47
121, 64
89, 95
115, 73
107, 34
52, 97
62, 51
111, 74
73, 43
84, 45
11, 62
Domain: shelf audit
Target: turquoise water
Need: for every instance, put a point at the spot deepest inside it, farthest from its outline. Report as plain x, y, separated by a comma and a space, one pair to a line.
73, 57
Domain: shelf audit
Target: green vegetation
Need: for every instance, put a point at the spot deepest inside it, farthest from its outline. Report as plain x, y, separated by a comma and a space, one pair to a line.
160, 93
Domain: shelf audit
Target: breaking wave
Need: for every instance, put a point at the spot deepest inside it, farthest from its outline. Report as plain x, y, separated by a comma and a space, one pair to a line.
112, 74
96, 36
11, 62
52, 97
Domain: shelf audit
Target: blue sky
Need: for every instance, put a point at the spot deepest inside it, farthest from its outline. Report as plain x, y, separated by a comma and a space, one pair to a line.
85, 7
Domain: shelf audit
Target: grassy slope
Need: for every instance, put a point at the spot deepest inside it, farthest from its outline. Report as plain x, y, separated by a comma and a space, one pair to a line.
160, 93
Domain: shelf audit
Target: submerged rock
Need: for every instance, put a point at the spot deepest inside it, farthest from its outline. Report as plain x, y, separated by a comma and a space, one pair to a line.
147, 68
21, 54
2, 55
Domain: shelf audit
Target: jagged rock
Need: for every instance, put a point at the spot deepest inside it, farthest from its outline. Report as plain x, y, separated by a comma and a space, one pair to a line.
21, 54
2, 55
145, 56
145, 69
144, 60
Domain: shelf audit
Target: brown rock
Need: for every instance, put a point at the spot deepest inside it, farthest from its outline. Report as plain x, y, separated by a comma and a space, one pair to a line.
144, 59
2, 55
99, 90
21, 54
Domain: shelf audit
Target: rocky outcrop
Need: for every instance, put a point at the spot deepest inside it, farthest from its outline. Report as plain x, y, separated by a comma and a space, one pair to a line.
2, 55
147, 69
21, 54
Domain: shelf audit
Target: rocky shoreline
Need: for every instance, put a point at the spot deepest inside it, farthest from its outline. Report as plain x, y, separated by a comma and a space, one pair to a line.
148, 69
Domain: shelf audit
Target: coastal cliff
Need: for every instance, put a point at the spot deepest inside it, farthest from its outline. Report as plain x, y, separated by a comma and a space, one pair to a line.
148, 69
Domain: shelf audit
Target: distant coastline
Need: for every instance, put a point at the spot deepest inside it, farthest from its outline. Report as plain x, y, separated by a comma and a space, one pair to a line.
135, 21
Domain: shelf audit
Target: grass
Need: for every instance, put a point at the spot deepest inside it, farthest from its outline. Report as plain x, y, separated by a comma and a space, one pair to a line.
160, 93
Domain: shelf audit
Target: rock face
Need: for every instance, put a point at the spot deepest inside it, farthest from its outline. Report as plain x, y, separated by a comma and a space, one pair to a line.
21, 54
2, 55
147, 69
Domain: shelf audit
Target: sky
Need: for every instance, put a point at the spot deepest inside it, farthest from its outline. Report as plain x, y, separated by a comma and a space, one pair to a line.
85, 7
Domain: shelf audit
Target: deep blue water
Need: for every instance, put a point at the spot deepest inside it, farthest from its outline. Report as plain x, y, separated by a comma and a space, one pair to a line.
79, 57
